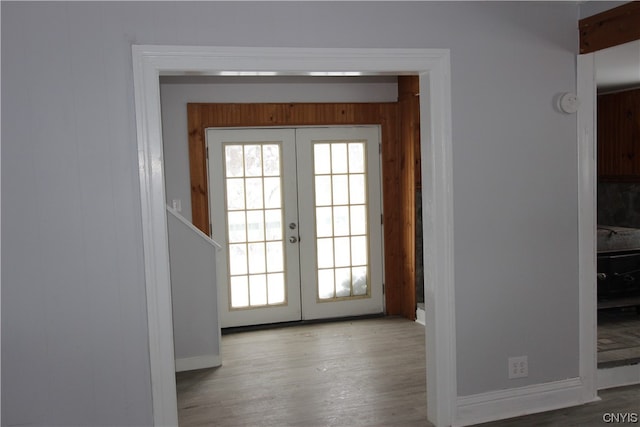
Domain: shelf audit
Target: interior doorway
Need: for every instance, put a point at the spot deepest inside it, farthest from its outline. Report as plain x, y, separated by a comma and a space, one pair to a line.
618, 192
588, 246
297, 210
432, 65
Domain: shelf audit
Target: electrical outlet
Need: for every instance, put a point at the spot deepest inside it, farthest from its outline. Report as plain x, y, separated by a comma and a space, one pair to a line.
518, 367
177, 204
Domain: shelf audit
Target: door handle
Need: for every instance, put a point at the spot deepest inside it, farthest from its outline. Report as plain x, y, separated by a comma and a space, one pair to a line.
293, 239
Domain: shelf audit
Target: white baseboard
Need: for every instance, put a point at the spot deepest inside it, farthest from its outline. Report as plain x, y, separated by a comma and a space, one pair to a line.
198, 362
420, 316
496, 405
618, 376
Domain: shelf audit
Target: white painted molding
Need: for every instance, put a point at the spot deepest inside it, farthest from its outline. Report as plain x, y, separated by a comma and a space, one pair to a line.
420, 316
586, 122
171, 60
618, 376
437, 199
432, 66
198, 362
193, 228
516, 402
155, 241
592, 377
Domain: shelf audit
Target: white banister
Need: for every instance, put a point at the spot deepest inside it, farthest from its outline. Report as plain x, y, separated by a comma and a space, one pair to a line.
195, 229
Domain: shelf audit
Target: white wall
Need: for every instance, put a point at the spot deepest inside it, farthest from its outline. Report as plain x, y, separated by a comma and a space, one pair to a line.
176, 92
590, 8
194, 297
74, 342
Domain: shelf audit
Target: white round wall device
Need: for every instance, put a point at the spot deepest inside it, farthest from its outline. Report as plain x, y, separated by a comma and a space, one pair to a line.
568, 103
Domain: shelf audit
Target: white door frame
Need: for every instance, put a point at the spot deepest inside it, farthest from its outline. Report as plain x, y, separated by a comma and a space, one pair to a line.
592, 377
433, 68
585, 88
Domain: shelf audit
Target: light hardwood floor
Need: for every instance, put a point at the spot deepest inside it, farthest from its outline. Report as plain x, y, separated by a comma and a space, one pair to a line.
618, 337
354, 373
623, 400
362, 372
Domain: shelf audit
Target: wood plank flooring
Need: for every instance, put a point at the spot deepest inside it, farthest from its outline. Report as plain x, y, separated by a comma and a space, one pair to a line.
362, 372
618, 337
355, 373
617, 400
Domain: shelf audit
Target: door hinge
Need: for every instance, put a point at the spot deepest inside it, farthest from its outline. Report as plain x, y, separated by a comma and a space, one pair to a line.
381, 219
380, 148
207, 153
383, 288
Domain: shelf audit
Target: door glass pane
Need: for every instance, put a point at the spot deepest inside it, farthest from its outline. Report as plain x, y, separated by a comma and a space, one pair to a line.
272, 193
343, 282
273, 224
342, 248
237, 227
239, 291
238, 259
340, 189
324, 222
339, 158
359, 280
358, 219
358, 250
253, 202
341, 219
356, 158
322, 158
255, 226
275, 288
253, 160
258, 289
325, 253
254, 193
326, 282
235, 194
275, 257
234, 160
323, 190
271, 159
257, 261
357, 190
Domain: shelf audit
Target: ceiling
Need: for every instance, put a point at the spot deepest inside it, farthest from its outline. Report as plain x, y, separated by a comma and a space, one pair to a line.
618, 67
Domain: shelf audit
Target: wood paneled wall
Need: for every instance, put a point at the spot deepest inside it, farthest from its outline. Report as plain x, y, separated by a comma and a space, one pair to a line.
619, 136
409, 143
398, 170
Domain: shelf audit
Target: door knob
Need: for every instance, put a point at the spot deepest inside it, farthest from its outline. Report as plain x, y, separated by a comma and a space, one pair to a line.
293, 239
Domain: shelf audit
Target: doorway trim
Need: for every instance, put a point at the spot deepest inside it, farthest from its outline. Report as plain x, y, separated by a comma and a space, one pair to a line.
593, 378
585, 88
433, 68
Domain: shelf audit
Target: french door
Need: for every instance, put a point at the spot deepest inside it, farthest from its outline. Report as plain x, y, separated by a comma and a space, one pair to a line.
298, 212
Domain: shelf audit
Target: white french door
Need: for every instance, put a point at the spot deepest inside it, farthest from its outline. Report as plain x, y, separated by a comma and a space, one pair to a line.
298, 214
